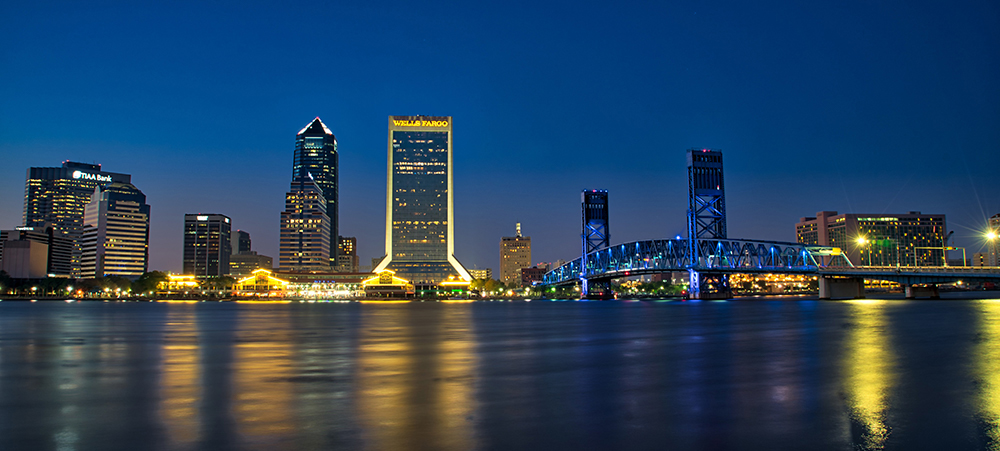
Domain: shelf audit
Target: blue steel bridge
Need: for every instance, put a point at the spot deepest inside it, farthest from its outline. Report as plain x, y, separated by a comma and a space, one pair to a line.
709, 256
737, 256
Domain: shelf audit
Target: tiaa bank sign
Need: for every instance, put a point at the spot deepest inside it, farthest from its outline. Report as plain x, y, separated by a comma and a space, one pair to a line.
86, 176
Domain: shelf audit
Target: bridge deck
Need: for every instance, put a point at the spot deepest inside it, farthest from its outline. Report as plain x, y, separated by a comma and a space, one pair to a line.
737, 256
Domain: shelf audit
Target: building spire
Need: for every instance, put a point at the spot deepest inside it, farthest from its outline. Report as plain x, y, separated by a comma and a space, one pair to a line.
316, 127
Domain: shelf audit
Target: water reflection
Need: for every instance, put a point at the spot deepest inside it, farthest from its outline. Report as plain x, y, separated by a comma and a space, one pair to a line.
416, 378
870, 366
180, 389
262, 375
987, 368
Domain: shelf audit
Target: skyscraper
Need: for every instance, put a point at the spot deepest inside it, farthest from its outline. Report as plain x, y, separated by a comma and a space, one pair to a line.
515, 254
419, 223
207, 244
58, 196
304, 243
115, 237
241, 242
316, 156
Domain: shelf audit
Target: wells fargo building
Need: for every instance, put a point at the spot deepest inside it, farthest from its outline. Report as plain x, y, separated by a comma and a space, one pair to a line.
420, 228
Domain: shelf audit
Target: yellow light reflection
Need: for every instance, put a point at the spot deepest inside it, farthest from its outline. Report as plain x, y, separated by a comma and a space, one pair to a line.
180, 388
415, 385
987, 364
262, 371
870, 364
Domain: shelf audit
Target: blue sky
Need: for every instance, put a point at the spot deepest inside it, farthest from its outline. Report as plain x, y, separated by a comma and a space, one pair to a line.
866, 107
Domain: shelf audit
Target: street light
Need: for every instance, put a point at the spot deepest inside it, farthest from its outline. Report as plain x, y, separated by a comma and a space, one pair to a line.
991, 236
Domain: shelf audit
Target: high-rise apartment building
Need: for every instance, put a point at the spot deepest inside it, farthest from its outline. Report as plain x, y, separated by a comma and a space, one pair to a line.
58, 196
316, 156
115, 238
911, 239
515, 254
304, 242
207, 244
419, 214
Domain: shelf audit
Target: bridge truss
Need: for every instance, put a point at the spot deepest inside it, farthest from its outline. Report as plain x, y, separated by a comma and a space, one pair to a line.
712, 255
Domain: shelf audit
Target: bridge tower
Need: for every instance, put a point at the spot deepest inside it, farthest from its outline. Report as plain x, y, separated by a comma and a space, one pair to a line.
595, 234
706, 217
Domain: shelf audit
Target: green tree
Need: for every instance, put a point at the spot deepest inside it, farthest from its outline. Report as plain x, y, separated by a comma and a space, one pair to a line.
218, 283
148, 281
6, 282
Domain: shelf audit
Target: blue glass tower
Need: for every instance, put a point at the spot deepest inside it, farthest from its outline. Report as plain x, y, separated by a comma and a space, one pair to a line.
316, 159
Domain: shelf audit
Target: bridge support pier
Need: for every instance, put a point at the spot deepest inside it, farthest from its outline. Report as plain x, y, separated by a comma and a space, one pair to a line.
597, 289
708, 286
922, 291
841, 287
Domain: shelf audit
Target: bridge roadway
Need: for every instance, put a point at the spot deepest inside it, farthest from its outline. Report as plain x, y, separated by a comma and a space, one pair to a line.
731, 256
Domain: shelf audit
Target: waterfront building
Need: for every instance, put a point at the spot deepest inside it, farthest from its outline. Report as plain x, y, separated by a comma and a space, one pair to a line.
347, 254
241, 242
177, 284
387, 285
322, 285
57, 196
28, 259
304, 241
316, 156
248, 262
481, 274
526, 277
419, 225
207, 244
910, 239
115, 236
260, 282
515, 253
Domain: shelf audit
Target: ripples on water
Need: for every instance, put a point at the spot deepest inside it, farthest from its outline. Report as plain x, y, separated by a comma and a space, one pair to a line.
784, 374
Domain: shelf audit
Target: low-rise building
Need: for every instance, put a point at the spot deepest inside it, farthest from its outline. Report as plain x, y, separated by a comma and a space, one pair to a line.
29, 260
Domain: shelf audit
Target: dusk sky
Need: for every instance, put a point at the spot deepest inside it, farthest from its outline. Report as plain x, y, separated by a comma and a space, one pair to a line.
857, 106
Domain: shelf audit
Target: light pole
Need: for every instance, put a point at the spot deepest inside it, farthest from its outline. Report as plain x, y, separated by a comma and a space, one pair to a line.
944, 248
991, 236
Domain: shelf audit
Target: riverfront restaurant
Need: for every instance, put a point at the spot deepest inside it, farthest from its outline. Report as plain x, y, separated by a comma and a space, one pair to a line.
387, 285
261, 282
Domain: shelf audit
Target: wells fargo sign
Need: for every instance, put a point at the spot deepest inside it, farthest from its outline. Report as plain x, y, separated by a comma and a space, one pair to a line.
418, 123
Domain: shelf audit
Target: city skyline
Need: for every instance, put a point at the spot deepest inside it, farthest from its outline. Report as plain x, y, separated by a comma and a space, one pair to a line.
860, 110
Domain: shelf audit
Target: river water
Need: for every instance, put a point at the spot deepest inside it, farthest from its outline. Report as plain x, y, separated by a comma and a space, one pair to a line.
611, 375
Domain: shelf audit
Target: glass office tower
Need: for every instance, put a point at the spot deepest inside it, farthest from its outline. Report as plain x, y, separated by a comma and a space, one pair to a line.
316, 157
207, 244
420, 229
57, 196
